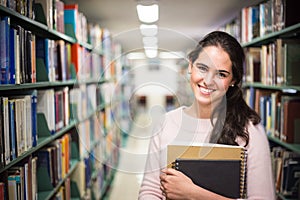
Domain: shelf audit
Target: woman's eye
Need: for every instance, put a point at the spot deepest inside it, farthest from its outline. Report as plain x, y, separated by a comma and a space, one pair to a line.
202, 68
221, 75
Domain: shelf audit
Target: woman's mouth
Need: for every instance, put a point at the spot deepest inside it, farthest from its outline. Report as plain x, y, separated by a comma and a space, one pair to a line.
206, 90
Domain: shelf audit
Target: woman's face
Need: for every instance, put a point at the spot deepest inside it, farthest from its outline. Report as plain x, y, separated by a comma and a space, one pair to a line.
211, 75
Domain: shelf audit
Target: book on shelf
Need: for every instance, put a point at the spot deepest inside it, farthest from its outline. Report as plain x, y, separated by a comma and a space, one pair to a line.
45, 169
45, 49
46, 7
12, 128
4, 47
290, 169
33, 59
253, 63
218, 168
67, 186
78, 186
61, 72
71, 19
60, 24
12, 55
59, 110
14, 186
291, 62
21, 180
2, 191
5, 129
34, 191
16, 183
285, 13
46, 106
76, 59
66, 105
11, 4
3, 2
286, 168
34, 118
15, 54
2, 140
290, 119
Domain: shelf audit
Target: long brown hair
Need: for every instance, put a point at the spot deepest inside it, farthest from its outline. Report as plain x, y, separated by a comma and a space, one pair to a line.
237, 112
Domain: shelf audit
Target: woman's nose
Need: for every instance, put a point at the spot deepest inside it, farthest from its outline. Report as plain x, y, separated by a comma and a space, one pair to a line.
209, 78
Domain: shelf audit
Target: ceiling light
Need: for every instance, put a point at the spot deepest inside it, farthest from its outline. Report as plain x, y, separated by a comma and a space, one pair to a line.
172, 55
148, 30
147, 14
135, 55
151, 52
149, 41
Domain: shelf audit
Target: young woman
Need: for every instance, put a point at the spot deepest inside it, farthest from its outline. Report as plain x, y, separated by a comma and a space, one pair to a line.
218, 114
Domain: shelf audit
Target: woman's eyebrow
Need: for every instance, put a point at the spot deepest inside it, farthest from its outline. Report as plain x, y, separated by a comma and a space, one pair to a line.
223, 71
201, 64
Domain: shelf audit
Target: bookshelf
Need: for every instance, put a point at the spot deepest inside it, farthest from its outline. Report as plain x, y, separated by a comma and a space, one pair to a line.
71, 157
267, 82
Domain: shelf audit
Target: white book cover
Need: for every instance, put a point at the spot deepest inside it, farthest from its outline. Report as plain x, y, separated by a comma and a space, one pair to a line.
45, 105
6, 133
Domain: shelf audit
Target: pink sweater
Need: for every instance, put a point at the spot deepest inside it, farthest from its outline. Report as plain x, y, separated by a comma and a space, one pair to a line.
178, 126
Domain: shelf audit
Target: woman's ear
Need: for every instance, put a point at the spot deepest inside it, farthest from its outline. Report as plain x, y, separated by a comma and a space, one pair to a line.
232, 83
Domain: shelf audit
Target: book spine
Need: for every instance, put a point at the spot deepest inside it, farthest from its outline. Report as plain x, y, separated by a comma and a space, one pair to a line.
33, 60
4, 49
12, 137
6, 126
2, 140
17, 56
28, 57
12, 52
28, 121
34, 118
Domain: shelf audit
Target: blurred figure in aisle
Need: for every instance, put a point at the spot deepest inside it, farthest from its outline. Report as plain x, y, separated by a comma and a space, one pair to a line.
218, 114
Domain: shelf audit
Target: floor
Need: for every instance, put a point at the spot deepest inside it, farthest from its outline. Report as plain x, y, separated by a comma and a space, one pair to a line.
128, 176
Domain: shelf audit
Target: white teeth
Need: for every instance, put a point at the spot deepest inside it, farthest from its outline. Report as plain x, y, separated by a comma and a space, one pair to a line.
205, 90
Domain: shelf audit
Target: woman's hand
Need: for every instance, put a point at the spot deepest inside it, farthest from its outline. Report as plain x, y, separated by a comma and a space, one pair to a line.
175, 185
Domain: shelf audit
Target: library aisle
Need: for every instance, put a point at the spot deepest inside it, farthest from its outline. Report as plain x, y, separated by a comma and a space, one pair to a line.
128, 176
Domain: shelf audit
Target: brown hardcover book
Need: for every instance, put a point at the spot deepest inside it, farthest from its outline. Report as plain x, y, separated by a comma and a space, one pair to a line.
290, 119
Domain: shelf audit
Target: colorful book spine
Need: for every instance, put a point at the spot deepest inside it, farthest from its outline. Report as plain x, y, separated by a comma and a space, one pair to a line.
4, 49
12, 55
13, 154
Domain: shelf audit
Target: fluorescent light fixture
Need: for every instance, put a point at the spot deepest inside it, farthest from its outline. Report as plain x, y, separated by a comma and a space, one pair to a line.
147, 14
136, 56
151, 51
172, 55
149, 41
148, 30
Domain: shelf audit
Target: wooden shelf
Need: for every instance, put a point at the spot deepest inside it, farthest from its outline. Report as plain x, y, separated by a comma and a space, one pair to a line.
48, 194
291, 31
41, 143
283, 88
292, 147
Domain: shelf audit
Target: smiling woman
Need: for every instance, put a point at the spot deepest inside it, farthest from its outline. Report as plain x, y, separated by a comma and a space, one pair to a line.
218, 114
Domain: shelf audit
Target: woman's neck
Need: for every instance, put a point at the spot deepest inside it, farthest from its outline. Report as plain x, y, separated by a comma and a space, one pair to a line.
197, 111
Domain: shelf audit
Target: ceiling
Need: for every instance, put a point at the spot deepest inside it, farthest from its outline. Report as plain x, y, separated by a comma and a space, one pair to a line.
181, 22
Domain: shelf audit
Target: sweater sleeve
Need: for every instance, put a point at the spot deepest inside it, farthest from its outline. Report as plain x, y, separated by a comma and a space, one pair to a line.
260, 184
